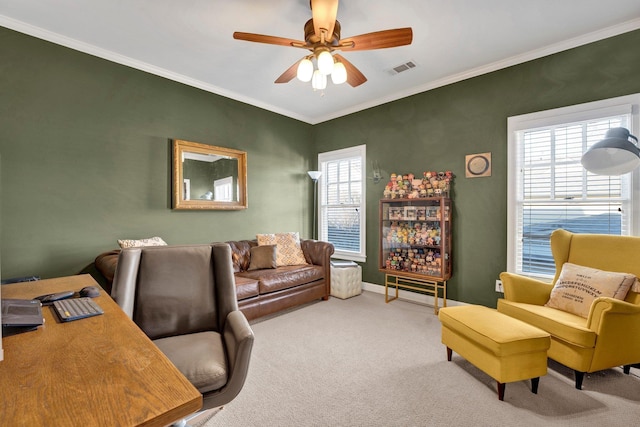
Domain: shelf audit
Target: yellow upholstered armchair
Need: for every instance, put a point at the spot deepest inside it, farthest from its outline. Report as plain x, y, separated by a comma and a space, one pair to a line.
610, 335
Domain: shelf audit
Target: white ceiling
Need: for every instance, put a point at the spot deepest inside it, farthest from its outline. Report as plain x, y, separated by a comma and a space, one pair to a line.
191, 41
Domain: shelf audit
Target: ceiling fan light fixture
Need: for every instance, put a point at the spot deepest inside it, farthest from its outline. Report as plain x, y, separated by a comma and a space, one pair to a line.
305, 70
318, 81
322, 37
339, 74
325, 62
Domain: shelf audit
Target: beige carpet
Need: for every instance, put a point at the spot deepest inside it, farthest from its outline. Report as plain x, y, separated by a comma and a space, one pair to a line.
361, 362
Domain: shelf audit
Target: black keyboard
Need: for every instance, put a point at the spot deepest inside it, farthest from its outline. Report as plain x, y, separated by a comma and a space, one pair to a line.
76, 308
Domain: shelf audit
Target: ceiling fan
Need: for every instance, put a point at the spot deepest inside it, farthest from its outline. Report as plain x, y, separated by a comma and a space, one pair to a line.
322, 38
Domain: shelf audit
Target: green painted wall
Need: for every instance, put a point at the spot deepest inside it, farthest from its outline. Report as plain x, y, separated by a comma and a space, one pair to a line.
87, 159
436, 129
86, 154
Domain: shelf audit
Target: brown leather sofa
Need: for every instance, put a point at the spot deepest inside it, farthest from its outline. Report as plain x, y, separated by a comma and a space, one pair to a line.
261, 292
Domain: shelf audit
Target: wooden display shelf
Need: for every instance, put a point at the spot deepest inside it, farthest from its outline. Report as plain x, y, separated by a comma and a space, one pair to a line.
415, 238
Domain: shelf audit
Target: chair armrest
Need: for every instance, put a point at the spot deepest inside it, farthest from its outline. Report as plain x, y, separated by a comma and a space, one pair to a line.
617, 324
125, 278
238, 338
605, 309
525, 289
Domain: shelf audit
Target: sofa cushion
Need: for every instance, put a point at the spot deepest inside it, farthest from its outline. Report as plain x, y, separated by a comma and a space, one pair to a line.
262, 257
289, 251
151, 241
284, 277
560, 324
200, 357
246, 287
578, 286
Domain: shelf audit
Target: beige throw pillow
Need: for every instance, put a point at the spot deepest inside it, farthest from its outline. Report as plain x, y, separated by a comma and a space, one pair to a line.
577, 287
263, 257
152, 241
288, 249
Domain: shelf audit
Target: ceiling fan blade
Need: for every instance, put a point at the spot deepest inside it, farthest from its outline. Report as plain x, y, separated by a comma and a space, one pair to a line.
354, 76
324, 13
288, 75
260, 38
378, 40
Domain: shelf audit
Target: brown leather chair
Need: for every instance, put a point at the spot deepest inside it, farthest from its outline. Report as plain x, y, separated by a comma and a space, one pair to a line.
184, 299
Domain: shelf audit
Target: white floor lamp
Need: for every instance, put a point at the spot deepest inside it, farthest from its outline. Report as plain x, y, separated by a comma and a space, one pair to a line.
314, 175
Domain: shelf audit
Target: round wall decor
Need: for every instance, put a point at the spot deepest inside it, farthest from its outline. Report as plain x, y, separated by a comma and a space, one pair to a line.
478, 165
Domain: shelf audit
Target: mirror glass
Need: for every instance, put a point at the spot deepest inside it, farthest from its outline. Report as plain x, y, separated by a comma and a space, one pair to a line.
208, 177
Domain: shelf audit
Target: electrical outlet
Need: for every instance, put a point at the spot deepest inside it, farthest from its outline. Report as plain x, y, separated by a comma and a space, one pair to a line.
499, 287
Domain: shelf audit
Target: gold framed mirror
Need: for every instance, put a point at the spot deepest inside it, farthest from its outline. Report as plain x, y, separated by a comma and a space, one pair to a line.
208, 177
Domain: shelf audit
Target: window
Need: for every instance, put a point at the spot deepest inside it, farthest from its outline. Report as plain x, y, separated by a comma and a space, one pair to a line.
549, 188
223, 189
341, 190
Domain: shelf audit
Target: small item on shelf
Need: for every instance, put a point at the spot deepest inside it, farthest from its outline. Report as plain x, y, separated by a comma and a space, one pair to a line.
415, 260
432, 184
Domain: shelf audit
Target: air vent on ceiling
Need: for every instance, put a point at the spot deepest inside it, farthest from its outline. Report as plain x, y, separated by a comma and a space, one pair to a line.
402, 67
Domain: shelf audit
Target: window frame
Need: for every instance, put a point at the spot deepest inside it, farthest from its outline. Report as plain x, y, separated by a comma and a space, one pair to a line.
336, 155
628, 104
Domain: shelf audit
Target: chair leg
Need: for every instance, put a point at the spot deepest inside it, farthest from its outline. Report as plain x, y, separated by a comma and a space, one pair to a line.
579, 378
626, 369
185, 421
534, 385
449, 354
501, 387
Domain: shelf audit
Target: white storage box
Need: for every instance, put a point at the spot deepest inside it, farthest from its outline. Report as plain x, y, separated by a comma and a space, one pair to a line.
346, 279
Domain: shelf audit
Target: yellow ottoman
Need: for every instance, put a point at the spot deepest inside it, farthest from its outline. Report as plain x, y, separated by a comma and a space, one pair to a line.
505, 348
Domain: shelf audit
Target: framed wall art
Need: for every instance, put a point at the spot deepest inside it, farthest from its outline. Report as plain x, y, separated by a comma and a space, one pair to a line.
477, 165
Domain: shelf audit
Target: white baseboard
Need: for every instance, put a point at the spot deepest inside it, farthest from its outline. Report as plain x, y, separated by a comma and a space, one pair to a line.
409, 296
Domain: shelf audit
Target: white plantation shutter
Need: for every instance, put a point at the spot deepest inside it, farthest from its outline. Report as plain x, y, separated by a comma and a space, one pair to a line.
550, 189
341, 201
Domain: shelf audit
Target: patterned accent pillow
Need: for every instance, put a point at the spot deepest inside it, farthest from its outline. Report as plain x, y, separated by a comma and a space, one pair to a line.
152, 241
577, 287
288, 249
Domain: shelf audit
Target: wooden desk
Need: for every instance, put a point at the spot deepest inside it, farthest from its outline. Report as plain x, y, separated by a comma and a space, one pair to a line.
99, 371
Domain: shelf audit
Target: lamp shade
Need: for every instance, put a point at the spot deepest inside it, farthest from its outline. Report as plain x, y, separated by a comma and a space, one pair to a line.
305, 70
325, 62
614, 155
318, 81
314, 175
339, 74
